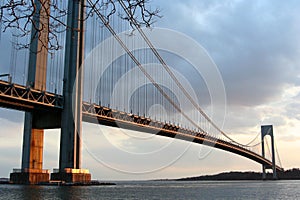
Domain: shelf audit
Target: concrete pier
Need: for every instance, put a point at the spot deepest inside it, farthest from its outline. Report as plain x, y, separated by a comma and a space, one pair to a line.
29, 176
69, 175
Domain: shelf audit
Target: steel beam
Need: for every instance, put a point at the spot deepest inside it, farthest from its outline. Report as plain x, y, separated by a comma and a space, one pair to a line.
23, 98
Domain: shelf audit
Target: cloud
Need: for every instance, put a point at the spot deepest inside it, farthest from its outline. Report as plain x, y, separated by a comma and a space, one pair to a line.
255, 44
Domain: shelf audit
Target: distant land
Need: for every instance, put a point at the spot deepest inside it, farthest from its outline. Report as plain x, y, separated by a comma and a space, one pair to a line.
291, 174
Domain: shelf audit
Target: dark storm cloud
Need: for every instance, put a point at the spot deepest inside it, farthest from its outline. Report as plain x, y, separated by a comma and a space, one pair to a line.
254, 43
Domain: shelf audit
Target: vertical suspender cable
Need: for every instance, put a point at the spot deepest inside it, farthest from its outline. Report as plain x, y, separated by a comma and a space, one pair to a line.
13, 56
174, 77
1, 3
280, 164
26, 61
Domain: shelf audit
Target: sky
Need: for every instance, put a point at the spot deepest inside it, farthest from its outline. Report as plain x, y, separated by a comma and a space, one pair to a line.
255, 46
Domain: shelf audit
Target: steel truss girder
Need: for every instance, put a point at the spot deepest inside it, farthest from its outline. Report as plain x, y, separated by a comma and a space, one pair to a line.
25, 98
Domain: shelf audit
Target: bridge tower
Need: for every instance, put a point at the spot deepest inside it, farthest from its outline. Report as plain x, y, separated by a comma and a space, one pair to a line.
71, 118
268, 130
33, 138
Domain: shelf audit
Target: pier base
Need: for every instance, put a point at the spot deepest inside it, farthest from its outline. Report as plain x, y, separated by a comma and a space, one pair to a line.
30, 177
74, 176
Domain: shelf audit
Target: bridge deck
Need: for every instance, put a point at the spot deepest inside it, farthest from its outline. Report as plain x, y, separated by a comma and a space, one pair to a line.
19, 97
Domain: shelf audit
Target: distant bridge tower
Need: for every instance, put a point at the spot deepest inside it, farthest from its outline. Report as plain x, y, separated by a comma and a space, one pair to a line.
268, 130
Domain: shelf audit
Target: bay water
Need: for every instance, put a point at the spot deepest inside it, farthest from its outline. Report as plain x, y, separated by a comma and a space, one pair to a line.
160, 190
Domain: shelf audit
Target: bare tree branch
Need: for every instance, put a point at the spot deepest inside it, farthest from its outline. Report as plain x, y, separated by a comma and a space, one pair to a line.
22, 15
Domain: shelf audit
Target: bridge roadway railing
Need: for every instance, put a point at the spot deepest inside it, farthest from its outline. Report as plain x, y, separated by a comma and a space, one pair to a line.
24, 98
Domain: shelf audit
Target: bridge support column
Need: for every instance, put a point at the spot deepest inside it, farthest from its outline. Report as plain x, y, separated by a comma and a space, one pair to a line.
33, 139
70, 144
268, 130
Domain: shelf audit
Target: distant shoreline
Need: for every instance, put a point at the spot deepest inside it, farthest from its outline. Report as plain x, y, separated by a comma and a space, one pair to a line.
292, 174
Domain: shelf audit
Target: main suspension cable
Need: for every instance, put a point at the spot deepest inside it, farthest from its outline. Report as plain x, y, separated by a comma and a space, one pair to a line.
253, 145
106, 23
153, 49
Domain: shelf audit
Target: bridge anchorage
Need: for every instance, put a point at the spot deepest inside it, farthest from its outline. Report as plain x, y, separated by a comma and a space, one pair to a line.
46, 110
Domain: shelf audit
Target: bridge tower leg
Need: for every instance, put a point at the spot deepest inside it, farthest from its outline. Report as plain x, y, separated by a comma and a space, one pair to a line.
268, 130
70, 144
33, 139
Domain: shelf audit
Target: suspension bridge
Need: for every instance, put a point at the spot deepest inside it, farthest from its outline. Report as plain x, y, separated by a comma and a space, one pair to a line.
64, 88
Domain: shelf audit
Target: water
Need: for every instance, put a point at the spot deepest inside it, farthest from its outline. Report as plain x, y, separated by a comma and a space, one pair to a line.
160, 190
